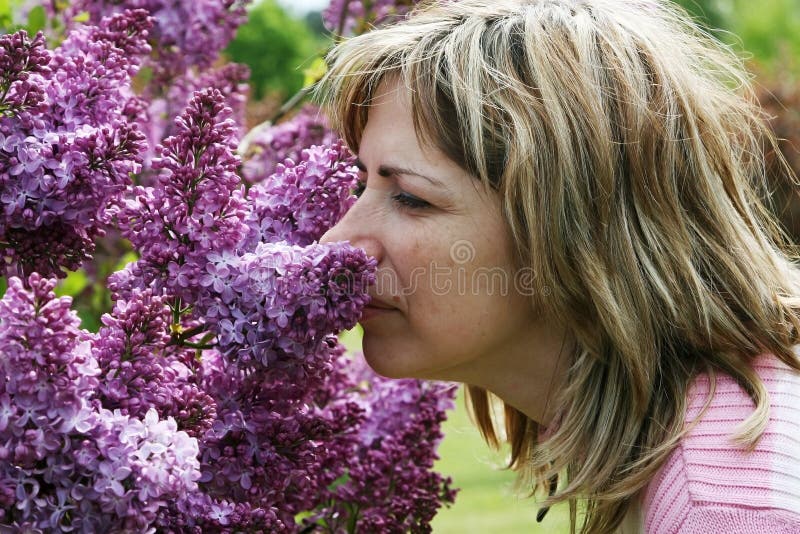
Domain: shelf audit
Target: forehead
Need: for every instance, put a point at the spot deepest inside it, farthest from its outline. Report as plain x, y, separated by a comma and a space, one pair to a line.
391, 141
391, 127
390, 123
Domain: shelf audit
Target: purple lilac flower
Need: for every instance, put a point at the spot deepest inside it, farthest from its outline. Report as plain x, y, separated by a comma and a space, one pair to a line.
267, 146
66, 148
352, 17
275, 305
266, 301
185, 43
158, 120
141, 370
73, 465
195, 205
303, 198
199, 513
269, 307
389, 484
271, 453
179, 25
19, 58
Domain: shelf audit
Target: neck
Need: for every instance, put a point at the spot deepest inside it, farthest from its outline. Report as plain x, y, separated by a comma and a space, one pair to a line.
528, 373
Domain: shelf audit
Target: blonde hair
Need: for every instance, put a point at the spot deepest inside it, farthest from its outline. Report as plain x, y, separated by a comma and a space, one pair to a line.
627, 151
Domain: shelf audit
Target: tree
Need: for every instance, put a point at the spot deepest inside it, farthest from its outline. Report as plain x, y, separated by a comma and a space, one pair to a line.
275, 46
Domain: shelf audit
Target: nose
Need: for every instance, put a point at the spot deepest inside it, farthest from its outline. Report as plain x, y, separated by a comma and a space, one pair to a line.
360, 232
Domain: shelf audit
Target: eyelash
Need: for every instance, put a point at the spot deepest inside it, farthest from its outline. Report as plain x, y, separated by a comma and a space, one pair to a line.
405, 200
410, 201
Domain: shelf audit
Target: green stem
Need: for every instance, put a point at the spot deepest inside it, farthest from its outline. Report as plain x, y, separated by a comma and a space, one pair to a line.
198, 346
291, 103
183, 336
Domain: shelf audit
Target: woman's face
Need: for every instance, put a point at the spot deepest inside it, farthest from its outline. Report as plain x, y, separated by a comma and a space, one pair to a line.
445, 302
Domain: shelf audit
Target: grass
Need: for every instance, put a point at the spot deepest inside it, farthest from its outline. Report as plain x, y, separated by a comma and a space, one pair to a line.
486, 501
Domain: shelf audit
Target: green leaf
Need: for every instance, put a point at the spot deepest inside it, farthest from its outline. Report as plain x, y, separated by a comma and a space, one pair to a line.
351, 339
143, 78
37, 19
315, 71
342, 480
7, 16
5, 9
73, 284
89, 320
83, 16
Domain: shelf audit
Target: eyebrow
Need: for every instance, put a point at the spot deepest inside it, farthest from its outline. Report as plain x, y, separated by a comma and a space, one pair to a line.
392, 170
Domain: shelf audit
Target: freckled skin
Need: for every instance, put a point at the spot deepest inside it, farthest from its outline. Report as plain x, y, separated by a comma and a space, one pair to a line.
474, 333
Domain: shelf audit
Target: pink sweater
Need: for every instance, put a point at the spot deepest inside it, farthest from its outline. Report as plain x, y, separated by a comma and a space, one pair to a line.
709, 485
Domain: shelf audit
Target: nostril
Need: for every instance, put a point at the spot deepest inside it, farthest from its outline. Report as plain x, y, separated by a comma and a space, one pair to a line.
357, 234
371, 246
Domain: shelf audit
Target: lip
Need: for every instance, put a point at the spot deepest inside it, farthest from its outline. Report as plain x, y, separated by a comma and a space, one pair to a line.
370, 312
376, 308
379, 302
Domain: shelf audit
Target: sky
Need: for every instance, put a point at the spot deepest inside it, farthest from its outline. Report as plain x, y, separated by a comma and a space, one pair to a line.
303, 6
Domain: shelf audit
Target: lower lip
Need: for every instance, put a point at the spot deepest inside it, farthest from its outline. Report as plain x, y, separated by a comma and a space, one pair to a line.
371, 311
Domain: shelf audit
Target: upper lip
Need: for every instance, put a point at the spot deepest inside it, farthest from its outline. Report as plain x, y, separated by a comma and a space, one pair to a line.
375, 302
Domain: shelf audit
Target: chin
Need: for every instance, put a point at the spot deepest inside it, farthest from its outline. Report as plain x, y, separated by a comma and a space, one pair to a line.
385, 362
381, 365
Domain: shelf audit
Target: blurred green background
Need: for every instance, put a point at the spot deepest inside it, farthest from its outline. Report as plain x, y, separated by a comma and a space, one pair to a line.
279, 47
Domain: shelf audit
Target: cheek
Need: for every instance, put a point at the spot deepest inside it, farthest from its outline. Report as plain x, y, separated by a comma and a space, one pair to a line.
455, 304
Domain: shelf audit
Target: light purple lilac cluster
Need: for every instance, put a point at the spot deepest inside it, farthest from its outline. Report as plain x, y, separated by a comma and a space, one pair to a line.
186, 39
258, 309
195, 207
186, 34
270, 145
230, 259
270, 454
157, 121
274, 305
141, 370
67, 462
388, 484
303, 197
67, 142
352, 17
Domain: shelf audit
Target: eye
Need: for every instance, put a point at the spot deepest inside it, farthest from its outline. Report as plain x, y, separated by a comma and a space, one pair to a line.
358, 190
408, 201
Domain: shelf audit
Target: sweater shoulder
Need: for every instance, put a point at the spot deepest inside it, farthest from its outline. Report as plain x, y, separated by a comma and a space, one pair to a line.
709, 474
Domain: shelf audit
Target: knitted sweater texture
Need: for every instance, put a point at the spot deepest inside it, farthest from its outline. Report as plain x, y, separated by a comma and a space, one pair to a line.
710, 485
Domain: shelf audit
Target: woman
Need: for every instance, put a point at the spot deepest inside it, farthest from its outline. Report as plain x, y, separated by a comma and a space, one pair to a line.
565, 201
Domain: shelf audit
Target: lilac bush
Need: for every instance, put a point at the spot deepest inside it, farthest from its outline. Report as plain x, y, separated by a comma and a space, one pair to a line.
389, 485
157, 121
186, 39
68, 462
177, 28
303, 196
67, 142
215, 396
268, 146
